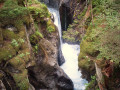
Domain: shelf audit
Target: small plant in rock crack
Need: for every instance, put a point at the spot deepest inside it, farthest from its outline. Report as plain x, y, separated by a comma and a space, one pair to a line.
17, 60
21, 40
14, 43
22, 55
9, 56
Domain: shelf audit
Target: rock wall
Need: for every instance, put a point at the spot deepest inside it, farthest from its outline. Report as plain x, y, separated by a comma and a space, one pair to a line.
29, 44
96, 55
52, 3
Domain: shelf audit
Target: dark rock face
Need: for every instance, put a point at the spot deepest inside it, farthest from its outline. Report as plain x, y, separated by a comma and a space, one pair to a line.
64, 83
61, 58
48, 77
52, 3
66, 15
70, 42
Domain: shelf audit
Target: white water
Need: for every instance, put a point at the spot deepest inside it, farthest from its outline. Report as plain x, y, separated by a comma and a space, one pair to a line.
70, 53
57, 22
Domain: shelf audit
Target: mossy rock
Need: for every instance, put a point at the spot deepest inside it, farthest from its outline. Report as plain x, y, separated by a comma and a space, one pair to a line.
7, 52
92, 84
21, 80
87, 47
38, 10
34, 39
9, 35
85, 64
12, 12
16, 62
21, 59
25, 54
50, 26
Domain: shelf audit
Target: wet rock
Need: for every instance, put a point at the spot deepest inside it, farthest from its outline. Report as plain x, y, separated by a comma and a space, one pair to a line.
65, 83
52, 17
66, 14
61, 58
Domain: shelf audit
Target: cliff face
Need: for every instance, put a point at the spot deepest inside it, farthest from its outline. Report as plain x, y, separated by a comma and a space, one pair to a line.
29, 43
75, 11
99, 46
96, 27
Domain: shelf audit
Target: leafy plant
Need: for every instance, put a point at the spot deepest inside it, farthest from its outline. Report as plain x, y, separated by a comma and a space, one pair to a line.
21, 40
14, 43
22, 55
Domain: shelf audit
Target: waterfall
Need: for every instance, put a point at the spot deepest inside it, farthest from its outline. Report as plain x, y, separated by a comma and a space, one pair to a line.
57, 22
70, 53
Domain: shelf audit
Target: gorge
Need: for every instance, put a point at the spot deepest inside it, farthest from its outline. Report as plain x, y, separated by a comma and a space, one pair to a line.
59, 45
70, 53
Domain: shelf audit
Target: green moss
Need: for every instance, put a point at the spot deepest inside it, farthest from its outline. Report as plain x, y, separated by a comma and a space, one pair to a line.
87, 47
17, 14
9, 35
39, 10
12, 12
25, 54
34, 38
21, 80
30, 2
17, 61
85, 64
50, 26
21, 59
82, 13
7, 52
38, 34
92, 84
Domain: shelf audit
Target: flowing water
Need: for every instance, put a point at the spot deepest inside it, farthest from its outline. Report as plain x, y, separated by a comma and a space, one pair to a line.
70, 53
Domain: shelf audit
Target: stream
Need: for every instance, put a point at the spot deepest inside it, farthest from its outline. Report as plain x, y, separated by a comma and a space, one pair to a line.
70, 53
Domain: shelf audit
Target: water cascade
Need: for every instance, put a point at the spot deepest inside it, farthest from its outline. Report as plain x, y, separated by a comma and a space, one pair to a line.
70, 53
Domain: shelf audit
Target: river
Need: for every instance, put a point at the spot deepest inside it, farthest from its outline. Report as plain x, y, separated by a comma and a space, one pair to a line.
70, 53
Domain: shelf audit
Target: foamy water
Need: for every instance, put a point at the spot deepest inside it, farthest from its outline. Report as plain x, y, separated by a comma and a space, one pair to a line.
70, 53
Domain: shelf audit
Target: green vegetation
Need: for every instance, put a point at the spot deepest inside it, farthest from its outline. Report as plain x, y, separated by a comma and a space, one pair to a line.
39, 10
71, 35
30, 2
98, 37
29, 22
34, 38
50, 26
6, 52
74, 31
14, 43
22, 80
7, 12
92, 84
101, 41
9, 35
